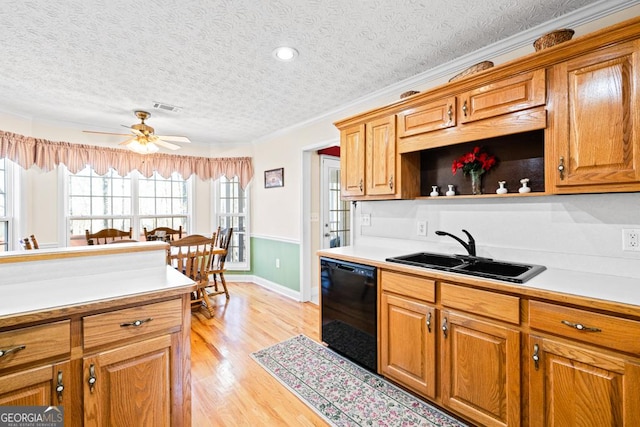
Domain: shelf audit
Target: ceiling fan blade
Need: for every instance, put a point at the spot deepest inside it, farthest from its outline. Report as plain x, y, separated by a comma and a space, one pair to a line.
174, 138
105, 133
128, 141
165, 144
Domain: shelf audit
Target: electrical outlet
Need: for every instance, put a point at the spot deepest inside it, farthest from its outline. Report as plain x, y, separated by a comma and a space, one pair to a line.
365, 220
421, 229
277, 262
630, 239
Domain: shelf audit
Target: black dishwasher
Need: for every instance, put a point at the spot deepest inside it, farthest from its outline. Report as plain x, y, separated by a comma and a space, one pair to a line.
349, 310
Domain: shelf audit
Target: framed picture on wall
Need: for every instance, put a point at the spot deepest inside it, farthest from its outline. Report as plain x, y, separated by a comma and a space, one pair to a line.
274, 178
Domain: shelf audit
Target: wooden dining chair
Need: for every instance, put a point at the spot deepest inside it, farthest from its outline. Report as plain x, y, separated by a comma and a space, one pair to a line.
170, 233
107, 235
191, 256
29, 243
217, 264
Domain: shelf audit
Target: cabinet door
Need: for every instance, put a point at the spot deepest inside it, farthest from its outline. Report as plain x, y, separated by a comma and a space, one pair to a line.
480, 370
596, 118
381, 157
42, 386
435, 115
505, 96
571, 385
407, 343
352, 160
129, 383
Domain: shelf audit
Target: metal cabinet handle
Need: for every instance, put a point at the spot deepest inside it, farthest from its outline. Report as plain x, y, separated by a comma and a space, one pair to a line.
391, 182
360, 184
535, 356
450, 113
581, 327
445, 327
12, 350
59, 386
561, 167
92, 377
136, 323
465, 108
429, 322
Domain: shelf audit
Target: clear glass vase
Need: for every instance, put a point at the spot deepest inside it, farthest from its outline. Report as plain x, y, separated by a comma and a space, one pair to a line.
476, 181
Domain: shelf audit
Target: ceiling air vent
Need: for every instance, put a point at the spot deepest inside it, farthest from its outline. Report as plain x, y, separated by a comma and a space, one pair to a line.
166, 107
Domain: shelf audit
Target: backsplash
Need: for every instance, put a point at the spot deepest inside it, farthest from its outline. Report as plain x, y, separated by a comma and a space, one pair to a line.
575, 232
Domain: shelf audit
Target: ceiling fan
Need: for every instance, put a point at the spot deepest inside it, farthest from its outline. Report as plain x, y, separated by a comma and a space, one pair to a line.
142, 139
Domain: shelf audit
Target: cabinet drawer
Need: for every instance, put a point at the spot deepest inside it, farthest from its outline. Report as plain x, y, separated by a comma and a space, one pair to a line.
105, 328
483, 303
505, 96
411, 286
435, 115
600, 329
39, 342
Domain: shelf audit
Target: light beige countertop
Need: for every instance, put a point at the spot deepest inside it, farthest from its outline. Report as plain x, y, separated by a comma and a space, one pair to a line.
57, 279
586, 286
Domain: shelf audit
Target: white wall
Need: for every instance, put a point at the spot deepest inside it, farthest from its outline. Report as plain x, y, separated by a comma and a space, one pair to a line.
577, 232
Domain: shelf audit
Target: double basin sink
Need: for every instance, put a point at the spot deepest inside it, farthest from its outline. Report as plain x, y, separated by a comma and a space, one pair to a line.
472, 266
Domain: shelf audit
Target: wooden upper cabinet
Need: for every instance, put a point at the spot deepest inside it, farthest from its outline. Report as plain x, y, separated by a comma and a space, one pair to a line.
595, 121
434, 115
352, 160
380, 151
505, 96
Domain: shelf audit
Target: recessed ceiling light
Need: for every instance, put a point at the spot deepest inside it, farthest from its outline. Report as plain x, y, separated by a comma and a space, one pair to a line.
285, 54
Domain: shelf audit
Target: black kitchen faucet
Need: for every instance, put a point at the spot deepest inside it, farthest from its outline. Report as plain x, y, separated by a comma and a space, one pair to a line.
470, 247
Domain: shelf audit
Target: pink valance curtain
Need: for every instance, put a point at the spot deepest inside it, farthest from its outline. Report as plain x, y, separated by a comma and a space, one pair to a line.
27, 151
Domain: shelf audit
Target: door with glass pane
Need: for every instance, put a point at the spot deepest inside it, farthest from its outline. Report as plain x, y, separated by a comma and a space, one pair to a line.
336, 213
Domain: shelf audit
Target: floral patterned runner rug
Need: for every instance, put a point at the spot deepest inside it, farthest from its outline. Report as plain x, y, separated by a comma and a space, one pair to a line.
343, 393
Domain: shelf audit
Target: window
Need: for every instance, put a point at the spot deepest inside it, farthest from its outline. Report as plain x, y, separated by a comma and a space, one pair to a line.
163, 202
232, 210
4, 205
111, 201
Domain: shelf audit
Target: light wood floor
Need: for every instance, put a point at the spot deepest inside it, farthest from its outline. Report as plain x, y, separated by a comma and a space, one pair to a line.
229, 387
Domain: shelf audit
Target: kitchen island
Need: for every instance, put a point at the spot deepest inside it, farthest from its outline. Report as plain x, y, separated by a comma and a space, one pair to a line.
562, 345
103, 331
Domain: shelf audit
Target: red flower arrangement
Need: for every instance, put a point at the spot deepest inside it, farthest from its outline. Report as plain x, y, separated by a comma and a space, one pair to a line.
473, 161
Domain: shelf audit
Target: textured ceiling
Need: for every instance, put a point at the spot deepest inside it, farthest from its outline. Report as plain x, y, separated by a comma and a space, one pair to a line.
90, 63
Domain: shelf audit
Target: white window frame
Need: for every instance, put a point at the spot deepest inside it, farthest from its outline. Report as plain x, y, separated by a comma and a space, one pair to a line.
215, 221
134, 217
9, 216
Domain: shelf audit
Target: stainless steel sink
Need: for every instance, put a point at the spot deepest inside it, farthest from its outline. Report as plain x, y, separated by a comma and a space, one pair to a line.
473, 266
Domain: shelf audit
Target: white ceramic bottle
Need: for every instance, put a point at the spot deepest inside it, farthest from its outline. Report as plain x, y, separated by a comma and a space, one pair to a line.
451, 192
434, 192
524, 188
501, 189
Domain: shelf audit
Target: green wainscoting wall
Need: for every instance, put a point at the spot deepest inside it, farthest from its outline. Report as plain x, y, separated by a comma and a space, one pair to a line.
264, 253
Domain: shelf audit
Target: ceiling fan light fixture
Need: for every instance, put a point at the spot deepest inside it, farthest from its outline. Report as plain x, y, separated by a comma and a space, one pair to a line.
142, 147
285, 54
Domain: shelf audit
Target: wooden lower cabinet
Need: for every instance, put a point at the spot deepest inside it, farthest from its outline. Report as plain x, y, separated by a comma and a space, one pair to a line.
40, 386
480, 369
118, 366
408, 343
129, 383
572, 384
